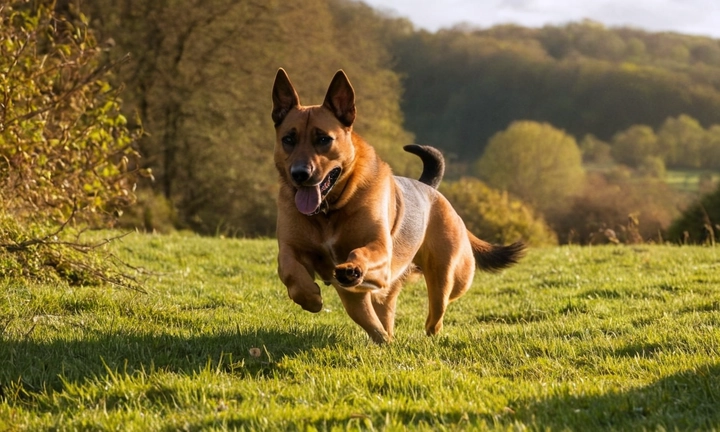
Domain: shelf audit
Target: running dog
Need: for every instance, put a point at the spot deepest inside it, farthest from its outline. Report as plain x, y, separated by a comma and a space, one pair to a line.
343, 217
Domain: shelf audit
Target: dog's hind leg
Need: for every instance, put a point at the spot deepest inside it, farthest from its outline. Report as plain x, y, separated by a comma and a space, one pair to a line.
447, 261
446, 281
438, 288
359, 306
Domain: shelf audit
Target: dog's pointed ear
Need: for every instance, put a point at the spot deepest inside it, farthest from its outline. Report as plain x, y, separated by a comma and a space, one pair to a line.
284, 97
340, 99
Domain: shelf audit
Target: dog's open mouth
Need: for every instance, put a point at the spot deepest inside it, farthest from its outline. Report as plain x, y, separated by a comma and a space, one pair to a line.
309, 199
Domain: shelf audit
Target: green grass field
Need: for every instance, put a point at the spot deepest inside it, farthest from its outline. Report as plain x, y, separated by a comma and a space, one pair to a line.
596, 338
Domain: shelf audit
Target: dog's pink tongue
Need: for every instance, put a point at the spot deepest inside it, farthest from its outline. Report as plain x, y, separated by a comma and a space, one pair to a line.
307, 199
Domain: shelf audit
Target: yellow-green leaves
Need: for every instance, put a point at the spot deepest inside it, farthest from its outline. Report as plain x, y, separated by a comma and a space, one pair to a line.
64, 144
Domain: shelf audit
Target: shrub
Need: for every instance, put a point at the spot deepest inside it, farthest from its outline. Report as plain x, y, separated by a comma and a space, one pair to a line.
152, 213
67, 156
699, 223
618, 209
494, 216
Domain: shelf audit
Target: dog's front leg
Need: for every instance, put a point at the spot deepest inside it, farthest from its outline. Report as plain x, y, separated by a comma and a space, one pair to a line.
368, 266
299, 280
359, 306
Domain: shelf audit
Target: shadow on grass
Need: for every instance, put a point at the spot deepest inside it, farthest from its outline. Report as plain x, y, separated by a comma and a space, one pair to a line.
688, 400
684, 401
37, 365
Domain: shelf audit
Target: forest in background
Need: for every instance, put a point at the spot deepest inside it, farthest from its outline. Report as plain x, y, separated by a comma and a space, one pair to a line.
602, 112
463, 85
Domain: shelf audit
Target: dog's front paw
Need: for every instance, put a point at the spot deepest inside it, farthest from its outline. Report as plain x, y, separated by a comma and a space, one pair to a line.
348, 275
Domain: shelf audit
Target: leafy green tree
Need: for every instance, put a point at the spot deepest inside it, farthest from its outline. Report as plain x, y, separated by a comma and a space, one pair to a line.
595, 150
710, 150
534, 161
632, 146
706, 52
494, 216
680, 141
200, 77
636, 49
652, 166
463, 85
594, 40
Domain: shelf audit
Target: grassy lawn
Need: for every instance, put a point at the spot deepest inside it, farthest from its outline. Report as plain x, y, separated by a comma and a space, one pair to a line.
593, 338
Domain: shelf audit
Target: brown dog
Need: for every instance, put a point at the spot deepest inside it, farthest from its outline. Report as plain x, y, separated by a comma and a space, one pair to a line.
344, 217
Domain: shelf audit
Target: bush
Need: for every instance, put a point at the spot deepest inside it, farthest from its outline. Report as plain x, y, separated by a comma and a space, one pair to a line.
494, 216
618, 209
152, 213
700, 223
66, 148
67, 154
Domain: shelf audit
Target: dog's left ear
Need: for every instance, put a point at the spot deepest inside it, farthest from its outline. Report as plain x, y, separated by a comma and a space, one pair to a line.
340, 99
284, 97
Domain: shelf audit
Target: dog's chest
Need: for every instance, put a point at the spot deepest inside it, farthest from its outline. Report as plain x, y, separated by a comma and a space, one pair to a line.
330, 248
330, 251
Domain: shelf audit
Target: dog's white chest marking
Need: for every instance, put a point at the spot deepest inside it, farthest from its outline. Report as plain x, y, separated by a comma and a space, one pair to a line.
329, 246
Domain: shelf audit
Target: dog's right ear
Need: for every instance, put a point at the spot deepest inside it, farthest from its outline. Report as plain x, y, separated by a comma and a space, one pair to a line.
284, 97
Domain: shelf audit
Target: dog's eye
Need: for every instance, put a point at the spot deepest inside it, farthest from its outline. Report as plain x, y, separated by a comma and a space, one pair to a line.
288, 140
324, 140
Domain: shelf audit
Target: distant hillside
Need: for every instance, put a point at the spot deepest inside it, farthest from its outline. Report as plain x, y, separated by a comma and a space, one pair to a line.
463, 85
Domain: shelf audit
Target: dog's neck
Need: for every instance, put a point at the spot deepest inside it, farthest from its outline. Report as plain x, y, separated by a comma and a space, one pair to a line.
366, 165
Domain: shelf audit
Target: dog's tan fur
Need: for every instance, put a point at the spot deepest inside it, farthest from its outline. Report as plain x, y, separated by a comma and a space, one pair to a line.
372, 228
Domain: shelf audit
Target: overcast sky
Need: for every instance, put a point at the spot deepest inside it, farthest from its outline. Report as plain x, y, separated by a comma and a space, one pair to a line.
701, 17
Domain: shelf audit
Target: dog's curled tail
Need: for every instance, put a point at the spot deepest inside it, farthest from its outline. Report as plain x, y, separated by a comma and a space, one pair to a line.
492, 257
433, 163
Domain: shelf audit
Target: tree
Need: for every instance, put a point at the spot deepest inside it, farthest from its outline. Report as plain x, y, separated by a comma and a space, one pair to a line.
711, 148
652, 166
595, 150
634, 145
201, 76
535, 161
680, 140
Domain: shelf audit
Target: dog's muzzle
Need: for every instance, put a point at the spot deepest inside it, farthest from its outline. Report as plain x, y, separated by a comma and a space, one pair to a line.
310, 200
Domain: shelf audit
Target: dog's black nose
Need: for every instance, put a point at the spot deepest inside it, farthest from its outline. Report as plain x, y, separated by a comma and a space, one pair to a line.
300, 173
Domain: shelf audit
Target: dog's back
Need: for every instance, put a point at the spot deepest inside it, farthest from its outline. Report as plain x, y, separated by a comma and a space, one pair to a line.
419, 194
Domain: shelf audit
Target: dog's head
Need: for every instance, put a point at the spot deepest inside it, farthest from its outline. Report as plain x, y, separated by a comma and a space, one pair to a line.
313, 147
